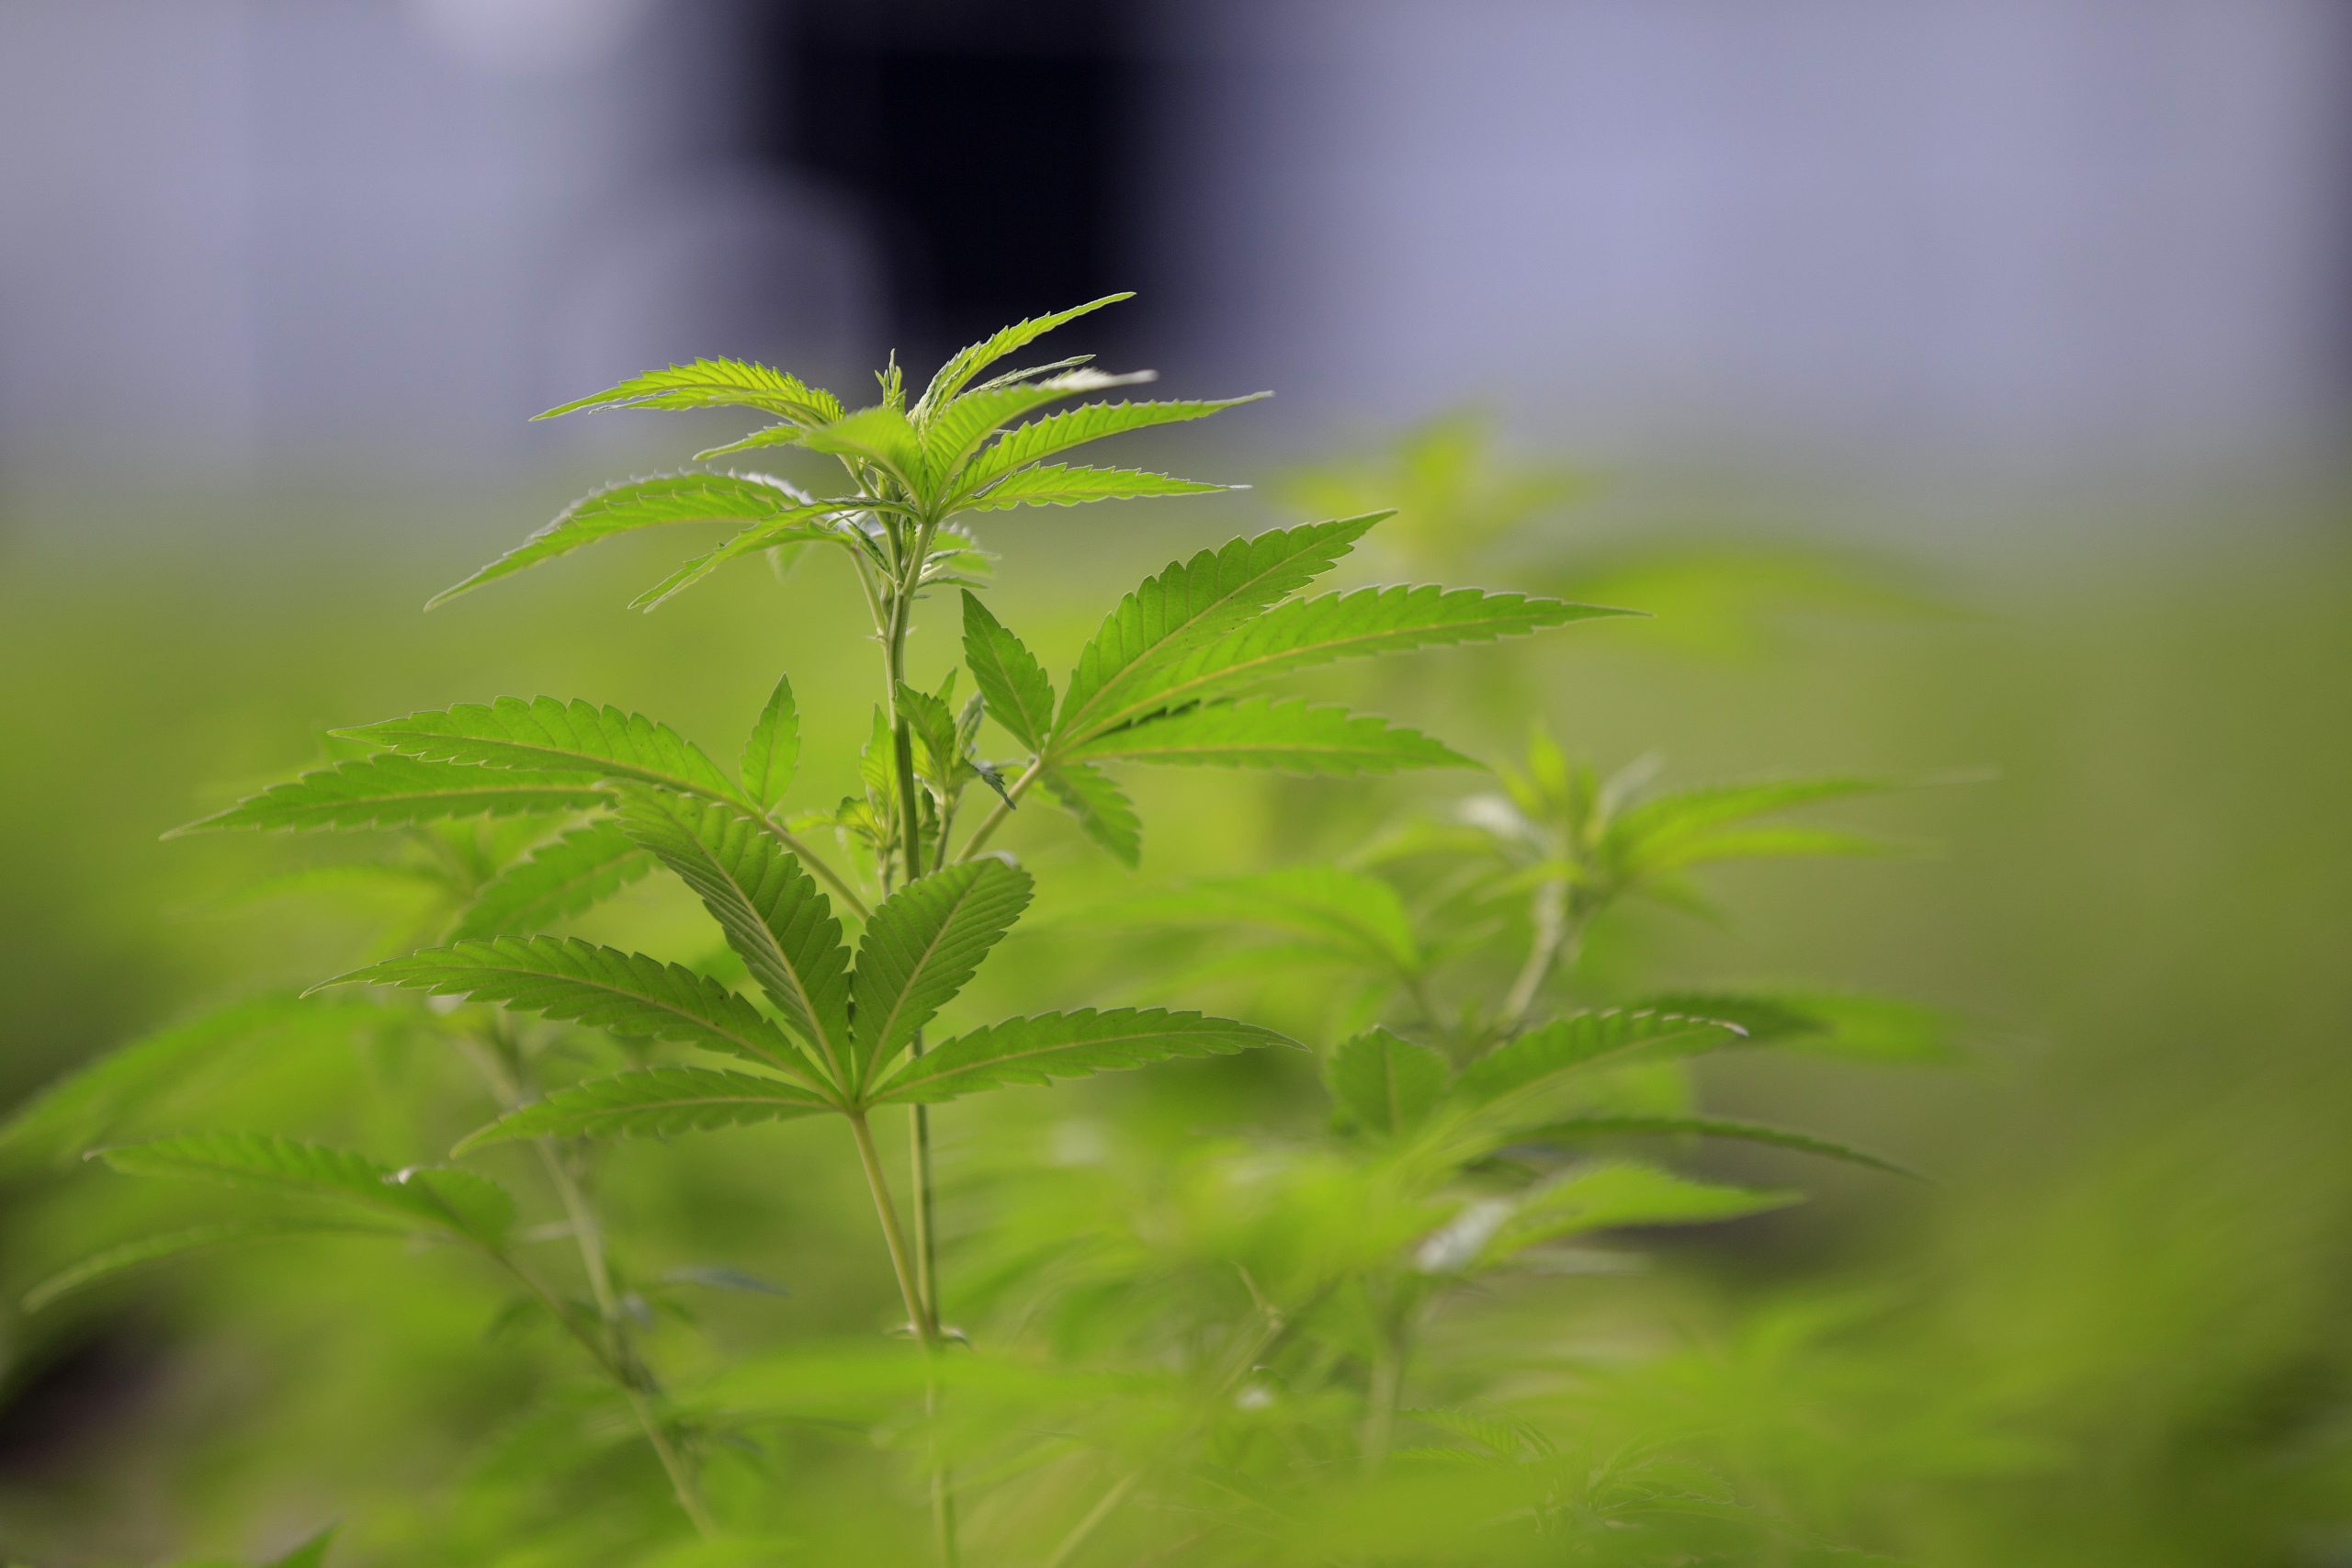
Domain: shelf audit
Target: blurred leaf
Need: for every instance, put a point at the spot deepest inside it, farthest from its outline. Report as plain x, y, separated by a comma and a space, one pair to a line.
1064, 1044
452, 1202
657, 1102
561, 878
1385, 1084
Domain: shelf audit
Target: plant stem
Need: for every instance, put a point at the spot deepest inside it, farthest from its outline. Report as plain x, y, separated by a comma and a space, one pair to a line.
921, 1282
1560, 919
943, 1502
816, 862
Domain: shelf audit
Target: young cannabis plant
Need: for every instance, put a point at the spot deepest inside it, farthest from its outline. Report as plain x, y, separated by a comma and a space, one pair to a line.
834, 1026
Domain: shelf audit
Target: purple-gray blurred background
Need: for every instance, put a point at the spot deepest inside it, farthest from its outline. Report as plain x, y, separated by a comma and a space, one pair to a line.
1989, 241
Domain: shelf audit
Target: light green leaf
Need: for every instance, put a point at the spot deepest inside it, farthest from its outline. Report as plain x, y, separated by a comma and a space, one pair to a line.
1103, 811
932, 730
452, 1202
1040, 438
65, 1118
560, 879
768, 905
715, 383
819, 522
954, 431
772, 754
1544, 1053
1293, 736
1019, 693
654, 1103
1652, 829
603, 988
1190, 602
398, 792
923, 945
1358, 917
1363, 624
1577, 1129
762, 439
1834, 1024
965, 363
1611, 1197
130, 1256
1064, 1044
641, 503
549, 736
1055, 484
880, 436
1385, 1084
312, 1553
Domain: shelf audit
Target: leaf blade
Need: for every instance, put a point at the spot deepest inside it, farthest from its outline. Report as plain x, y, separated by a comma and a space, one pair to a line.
922, 946
602, 987
1294, 736
1020, 694
639, 503
394, 791
1192, 601
765, 902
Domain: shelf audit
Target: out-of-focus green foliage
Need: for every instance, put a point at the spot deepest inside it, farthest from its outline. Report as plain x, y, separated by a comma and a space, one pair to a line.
2107, 1330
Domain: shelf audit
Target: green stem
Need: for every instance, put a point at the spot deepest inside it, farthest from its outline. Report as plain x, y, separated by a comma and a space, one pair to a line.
943, 1502
921, 1278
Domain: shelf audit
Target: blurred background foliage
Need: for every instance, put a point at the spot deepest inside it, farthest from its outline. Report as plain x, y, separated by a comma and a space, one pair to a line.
2111, 1327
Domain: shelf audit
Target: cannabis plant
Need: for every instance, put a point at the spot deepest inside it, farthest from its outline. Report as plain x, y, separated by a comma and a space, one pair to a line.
845, 929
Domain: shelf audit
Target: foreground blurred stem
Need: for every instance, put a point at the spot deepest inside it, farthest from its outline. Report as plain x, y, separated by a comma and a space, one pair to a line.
614, 1357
